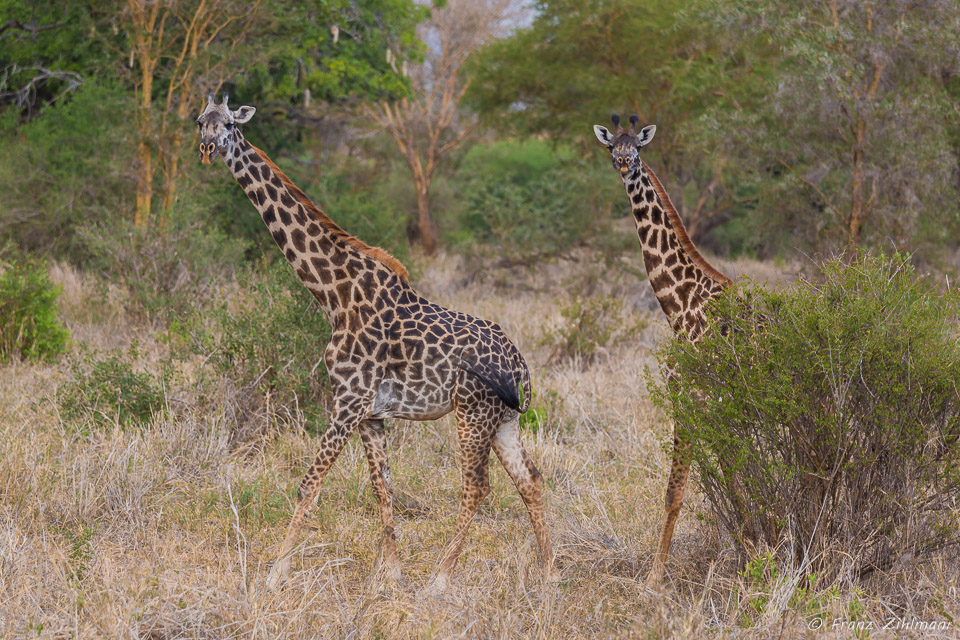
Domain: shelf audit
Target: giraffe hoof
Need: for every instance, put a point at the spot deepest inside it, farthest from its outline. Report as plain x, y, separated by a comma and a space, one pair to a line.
438, 587
394, 574
655, 579
278, 575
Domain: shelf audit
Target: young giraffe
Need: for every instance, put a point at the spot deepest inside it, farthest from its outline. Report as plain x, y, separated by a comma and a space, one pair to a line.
392, 354
681, 278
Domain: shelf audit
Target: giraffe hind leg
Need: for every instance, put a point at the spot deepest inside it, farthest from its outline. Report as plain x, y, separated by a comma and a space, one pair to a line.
375, 444
529, 483
478, 413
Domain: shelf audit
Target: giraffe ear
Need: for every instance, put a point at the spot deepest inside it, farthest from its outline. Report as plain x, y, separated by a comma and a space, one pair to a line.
243, 114
603, 135
646, 135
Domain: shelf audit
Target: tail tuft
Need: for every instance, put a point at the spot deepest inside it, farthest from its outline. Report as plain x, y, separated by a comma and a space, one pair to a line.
501, 382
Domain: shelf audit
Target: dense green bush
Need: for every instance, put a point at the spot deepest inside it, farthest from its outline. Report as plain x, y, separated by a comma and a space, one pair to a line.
825, 420
536, 199
170, 271
268, 340
107, 390
66, 169
29, 318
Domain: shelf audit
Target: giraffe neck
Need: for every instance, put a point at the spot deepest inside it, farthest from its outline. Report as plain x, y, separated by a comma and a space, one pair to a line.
681, 278
337, 268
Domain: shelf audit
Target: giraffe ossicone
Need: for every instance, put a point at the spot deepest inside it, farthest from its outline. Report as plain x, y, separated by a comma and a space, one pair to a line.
392, 353
681, 278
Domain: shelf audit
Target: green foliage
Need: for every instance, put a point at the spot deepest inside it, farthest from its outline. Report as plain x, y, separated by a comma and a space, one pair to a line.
368, 213
656, 58
539, 200
171, 272
827, 415
107, 390
30, 325
881, 125
544, 411
589, 326
648, 56
303, 57
39, 68
268, 339
65, 170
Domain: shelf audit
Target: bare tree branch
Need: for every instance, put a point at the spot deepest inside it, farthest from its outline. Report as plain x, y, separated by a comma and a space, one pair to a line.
428, 125
32, 29
25, 96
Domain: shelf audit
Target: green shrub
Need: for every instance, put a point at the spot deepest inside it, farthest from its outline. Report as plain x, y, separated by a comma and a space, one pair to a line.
107, 391
168, 271
268, 340
30, 325
589, 326
66, 169
545, 409
826, 419
537, 199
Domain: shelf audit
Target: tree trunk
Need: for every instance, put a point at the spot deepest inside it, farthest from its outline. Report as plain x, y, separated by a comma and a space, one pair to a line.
141, 219
857, 212
428, 234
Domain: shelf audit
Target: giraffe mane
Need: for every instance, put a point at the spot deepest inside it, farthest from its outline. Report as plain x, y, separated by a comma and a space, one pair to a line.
685, 242
376, 253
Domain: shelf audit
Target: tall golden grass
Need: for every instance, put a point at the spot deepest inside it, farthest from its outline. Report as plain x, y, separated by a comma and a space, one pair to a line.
168, 532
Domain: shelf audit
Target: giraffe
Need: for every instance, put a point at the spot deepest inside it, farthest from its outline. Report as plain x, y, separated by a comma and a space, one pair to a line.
392, 354
681, 278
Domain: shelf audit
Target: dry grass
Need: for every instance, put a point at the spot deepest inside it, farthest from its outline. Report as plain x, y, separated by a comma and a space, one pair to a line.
166, 532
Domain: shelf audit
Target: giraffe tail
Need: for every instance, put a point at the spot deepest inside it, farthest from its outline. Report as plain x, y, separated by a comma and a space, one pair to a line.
524, 383
499, 380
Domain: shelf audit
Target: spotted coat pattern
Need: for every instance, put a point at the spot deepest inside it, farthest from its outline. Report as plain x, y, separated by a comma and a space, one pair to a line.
682, 282
392, 354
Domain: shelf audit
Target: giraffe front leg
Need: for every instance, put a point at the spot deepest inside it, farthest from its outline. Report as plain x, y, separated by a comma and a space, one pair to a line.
375, 444
334, 439
676, 486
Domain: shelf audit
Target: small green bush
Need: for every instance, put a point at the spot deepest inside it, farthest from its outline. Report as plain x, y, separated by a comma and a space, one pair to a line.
545, 409
268, 340
825, 419
589, 326
30, 325
107, 391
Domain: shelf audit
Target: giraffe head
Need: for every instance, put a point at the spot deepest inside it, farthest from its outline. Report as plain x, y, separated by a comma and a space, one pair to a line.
625, 144
217, 124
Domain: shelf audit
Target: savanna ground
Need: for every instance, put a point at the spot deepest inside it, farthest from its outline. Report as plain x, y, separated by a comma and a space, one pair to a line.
168, 531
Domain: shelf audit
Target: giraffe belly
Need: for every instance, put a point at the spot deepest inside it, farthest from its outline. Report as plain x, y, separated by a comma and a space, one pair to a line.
393, 400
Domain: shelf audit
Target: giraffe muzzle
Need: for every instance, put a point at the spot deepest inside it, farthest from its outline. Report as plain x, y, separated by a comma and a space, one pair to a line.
208, 151
624, 169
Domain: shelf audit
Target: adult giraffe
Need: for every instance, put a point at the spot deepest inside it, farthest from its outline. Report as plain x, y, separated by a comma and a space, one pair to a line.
392, 353
681, 278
